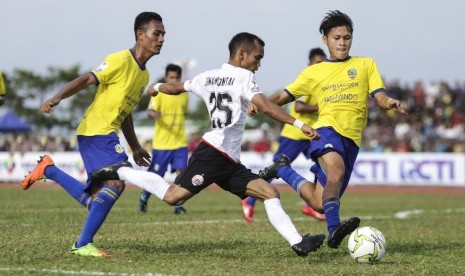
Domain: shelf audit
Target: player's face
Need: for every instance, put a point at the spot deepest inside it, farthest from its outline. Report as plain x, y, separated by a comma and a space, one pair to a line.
251, 61
153, 37
339, 41
172, 76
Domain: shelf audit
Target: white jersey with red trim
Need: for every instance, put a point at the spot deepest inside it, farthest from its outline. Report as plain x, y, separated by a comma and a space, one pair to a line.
226, 92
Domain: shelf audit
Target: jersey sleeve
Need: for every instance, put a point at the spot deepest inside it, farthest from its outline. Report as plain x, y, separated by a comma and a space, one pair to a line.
194, 85
375, 81
302, 85
251, 87
107, 72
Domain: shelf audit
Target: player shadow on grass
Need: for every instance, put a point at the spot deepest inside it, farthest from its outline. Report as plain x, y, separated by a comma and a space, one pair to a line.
423, 248
223, 248
186, 247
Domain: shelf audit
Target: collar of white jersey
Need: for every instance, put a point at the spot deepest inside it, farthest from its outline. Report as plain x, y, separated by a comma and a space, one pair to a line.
229, 67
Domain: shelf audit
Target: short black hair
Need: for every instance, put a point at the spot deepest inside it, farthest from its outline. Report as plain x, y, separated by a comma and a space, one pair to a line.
143, 19
243, 40
335, 19
173, 68
316, 52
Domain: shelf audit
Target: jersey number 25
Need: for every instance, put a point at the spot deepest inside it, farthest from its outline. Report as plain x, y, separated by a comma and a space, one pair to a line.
220, 102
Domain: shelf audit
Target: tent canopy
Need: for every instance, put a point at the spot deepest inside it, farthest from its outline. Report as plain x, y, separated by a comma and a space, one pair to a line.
9, 122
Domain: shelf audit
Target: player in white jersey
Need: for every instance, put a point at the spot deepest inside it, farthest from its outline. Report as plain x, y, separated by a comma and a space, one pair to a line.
226, 92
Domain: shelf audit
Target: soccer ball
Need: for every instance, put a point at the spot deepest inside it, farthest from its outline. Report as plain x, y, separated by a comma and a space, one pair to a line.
367, 245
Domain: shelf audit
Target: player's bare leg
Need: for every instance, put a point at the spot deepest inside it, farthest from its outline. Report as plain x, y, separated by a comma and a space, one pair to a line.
302, 245
312, 195
333, 165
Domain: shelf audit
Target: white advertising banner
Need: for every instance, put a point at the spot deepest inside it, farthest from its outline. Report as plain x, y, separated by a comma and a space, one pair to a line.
419, 169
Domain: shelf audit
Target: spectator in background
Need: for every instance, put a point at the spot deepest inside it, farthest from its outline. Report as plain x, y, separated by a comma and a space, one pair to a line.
418, 95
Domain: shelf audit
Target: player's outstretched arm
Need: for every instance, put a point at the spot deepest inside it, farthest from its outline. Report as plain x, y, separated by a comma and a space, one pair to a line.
277, 113
387, 103
271, 109
140, 155
279, 98
310, 132
69, 90
274, 111
253, 109
173, 88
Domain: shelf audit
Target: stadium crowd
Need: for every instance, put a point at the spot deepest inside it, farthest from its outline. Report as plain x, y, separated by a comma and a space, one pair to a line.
436, 120
436, 123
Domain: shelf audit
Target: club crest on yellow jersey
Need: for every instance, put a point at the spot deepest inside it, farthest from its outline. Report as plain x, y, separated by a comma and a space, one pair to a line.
352, 73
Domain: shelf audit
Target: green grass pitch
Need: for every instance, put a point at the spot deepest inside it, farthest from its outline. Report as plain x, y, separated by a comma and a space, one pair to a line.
425, 235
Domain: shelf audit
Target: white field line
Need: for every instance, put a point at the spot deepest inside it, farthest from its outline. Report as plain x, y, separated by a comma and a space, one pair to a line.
399, 215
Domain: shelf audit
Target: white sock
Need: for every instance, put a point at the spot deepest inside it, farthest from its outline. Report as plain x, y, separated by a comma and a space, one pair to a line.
148, 181
281, 221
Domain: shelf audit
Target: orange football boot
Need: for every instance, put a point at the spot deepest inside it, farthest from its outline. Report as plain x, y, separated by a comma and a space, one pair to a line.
38, 173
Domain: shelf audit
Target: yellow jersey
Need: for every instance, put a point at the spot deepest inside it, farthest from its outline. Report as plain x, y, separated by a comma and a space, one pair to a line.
341, 89
294, 133
121, 83
170, 128
2, 85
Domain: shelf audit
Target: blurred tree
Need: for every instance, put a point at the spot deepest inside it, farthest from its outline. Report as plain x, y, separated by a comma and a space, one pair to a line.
28, 90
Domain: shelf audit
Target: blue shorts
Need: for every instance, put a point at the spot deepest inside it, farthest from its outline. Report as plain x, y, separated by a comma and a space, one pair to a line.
162, 158
329, 141
99, 151
292, 148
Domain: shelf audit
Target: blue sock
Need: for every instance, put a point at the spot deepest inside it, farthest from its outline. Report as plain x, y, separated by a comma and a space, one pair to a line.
70, 184
251, 200
145, 196
291, 177
101, 206
331, 207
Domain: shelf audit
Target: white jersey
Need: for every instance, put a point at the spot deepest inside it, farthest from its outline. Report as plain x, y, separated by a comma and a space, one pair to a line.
227, 93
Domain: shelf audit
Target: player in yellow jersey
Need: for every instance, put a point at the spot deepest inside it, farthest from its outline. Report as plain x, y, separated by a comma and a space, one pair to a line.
292, 142
342, 86
2, 90
169, 144
121, 80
